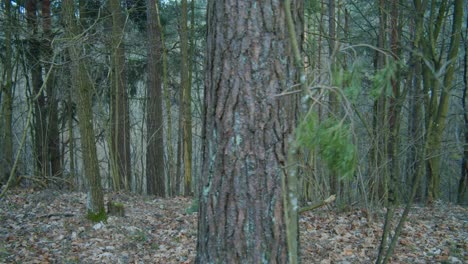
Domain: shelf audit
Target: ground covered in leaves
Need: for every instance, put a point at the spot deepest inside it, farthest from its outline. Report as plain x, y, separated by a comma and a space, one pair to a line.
50, 227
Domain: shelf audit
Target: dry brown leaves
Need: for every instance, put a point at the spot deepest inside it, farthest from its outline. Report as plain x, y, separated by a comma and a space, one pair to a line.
50, 227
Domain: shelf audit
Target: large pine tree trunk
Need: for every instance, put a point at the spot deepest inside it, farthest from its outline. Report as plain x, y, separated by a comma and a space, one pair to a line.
246, 132
155, 147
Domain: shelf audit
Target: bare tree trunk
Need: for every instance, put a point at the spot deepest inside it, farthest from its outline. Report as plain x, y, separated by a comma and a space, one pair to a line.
246, 132
333, 98
463, 182
53, 134
393, 139
186, 91
155, 171
7, 99
171, 173
120, 124
84, 92
440, 107
40, 121
378, 169
416, 96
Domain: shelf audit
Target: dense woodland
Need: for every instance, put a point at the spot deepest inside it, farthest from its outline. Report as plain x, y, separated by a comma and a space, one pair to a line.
258, 113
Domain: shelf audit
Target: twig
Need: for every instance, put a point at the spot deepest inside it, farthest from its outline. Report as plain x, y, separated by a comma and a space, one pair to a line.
329, 200
56, 215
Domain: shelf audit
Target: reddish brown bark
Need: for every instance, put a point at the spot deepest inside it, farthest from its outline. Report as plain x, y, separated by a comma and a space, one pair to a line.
246, 132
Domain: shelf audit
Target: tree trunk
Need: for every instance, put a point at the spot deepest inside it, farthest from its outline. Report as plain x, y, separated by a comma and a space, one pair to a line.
416, 96
84, 90
53, 134
333, 98
167, 100
463, 182
246, 132
186, 91
7, 99
394, 109
155, 171
393, 139
40, 123
440, 111
71, 140
378, 169
120, 124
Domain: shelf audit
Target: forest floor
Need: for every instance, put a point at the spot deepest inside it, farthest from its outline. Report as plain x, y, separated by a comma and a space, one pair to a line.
50, 227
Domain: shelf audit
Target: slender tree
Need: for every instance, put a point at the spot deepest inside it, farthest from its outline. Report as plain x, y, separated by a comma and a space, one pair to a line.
463, 182
186, 92
333, 98
120, 124
155, 171
246, 132
416, 95
393, 125
35, 66
83, 91
7, 99
52, 132
441, 90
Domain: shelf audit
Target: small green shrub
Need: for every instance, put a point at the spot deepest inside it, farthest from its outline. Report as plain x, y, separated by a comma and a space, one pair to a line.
332, 139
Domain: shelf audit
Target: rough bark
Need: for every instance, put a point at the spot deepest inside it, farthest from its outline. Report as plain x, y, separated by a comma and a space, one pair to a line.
246, 132
155, 171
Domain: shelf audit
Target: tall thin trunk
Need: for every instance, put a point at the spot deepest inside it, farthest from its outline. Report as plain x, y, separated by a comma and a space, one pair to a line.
7, 99
378, 169
393, 126
463, 182
191, 65
40, 122
333, 98
186, 91
120, 124
84, 91
416, 95
71, 139
167, 101
155, 170
53, 134
394, 107
441, 109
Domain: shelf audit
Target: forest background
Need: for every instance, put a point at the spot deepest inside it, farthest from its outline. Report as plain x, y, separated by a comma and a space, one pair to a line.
110, 96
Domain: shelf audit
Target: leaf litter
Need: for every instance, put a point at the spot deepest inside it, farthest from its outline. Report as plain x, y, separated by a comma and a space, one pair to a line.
50, 227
